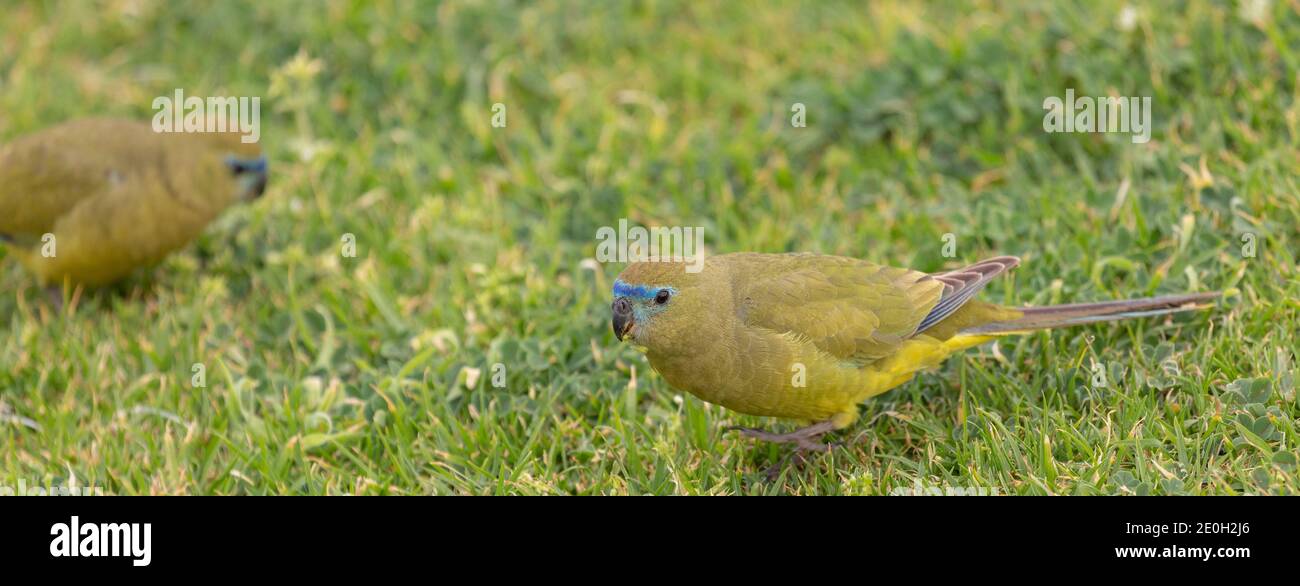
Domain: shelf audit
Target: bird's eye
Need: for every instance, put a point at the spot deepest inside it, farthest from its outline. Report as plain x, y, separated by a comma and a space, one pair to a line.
662, 296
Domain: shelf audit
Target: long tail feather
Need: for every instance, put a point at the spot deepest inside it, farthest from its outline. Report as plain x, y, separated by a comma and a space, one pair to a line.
1056, 316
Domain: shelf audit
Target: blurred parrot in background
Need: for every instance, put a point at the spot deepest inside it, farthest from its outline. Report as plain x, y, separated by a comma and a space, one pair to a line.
88, 201
740, 332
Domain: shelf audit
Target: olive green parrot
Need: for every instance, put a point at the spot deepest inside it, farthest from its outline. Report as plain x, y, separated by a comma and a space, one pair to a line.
809, 337
88, 201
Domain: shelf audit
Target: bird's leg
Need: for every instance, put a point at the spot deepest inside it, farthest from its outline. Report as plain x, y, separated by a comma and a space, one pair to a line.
55, 295
806, 438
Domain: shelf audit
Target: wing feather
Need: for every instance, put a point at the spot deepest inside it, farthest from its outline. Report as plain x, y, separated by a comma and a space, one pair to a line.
851, 309
45, 175
962, 284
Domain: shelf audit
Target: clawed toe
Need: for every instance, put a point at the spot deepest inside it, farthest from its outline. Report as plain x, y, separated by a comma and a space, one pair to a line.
805, 438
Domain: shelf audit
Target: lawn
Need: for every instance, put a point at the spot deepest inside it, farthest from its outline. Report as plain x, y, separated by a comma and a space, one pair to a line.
263, 360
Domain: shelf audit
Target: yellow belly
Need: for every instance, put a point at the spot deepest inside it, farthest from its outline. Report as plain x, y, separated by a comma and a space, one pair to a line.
815, 386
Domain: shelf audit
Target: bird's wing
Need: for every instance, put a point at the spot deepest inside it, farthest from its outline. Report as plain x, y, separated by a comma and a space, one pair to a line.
42, 178
851, 309
962, 284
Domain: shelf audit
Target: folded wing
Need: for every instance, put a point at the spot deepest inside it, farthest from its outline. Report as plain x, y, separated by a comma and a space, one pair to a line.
854, 310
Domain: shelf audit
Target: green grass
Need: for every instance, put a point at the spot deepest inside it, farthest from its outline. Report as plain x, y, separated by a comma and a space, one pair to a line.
327, 374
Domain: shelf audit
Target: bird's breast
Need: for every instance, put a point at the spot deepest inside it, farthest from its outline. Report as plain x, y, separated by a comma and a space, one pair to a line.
760, 372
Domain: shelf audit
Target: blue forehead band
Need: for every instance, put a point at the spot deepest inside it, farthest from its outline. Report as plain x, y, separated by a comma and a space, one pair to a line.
239, 165
622, 289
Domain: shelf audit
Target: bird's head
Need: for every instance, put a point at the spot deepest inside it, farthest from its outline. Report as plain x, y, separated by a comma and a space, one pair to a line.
243, 162
658, 304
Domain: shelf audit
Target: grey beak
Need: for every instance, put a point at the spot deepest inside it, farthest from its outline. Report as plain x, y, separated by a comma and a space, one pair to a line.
260, 187
623, 320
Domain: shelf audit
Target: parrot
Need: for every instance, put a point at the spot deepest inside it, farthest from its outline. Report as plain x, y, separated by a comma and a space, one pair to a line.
88, 201
740, 331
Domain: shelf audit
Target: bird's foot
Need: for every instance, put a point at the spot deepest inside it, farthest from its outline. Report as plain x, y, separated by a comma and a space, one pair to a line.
805, 438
